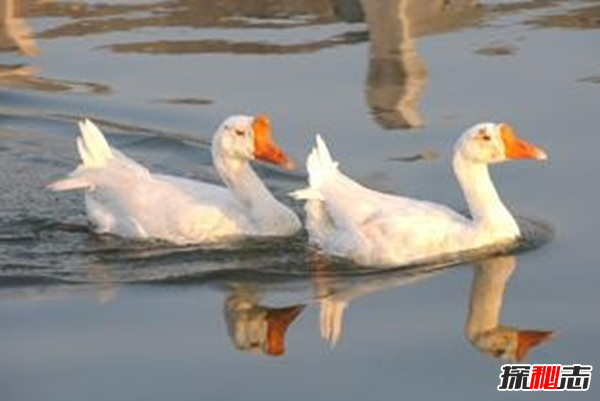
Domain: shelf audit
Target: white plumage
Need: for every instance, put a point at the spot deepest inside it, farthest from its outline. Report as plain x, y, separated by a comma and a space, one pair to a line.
124, 198
349, 220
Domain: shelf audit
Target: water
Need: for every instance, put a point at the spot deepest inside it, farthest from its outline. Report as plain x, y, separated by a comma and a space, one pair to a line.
390, 84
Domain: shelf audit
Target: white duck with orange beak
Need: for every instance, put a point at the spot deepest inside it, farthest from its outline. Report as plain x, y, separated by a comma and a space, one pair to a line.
348, 220
125, 199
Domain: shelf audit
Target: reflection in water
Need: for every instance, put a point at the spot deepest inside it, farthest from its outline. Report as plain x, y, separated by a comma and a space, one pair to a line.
497, 50
92, 19
21, 76
261, 304
16, 35
334, 294
233, 47
14, 31
483, 328
397, 74
582, 17
257, 328
241, 14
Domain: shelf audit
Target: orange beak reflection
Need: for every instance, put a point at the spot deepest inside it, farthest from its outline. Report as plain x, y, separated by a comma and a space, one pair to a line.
516, 148
528, 339
265, 148
279, 320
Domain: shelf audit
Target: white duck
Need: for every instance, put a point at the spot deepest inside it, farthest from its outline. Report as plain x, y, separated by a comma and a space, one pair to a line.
125, 199
371, 228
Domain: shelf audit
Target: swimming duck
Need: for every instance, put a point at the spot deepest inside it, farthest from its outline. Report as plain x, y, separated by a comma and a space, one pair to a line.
124, 198
349, 220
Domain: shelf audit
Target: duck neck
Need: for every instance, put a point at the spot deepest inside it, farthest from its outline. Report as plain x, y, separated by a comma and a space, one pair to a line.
487, 210
244, 184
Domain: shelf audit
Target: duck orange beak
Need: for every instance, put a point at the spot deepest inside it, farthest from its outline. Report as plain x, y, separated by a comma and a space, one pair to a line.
265, 148
517, 148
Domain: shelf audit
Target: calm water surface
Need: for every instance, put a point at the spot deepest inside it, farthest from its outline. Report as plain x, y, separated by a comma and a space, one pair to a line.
390, 84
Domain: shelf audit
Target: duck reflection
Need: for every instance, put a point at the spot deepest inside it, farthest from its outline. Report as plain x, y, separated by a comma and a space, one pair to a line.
253, 326
259, 310
483, 328
257, 328
334, 294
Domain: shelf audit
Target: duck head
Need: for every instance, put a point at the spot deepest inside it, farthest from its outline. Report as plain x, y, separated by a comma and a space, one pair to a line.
259, 329
245, 138
511, 343
488, 143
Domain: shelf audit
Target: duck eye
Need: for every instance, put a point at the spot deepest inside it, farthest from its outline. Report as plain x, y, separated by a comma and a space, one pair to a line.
483, 135
240, 132
498, 352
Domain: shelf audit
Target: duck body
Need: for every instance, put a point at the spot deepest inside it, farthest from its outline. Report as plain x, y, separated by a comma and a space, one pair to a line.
125, 199
371, 228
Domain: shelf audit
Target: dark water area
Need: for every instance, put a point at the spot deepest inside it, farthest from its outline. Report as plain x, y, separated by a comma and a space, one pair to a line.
390, 84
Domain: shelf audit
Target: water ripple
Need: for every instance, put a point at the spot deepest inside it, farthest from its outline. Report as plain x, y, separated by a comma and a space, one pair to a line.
73, 254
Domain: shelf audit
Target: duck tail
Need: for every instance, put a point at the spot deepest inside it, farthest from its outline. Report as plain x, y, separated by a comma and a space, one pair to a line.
94, 152
321, 167
92, 145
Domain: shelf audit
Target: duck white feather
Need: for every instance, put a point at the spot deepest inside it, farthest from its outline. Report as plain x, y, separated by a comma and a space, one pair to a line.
349, 220
124, 198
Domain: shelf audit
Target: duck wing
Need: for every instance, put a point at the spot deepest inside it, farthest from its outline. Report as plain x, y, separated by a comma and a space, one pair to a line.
124, 198
349, 220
